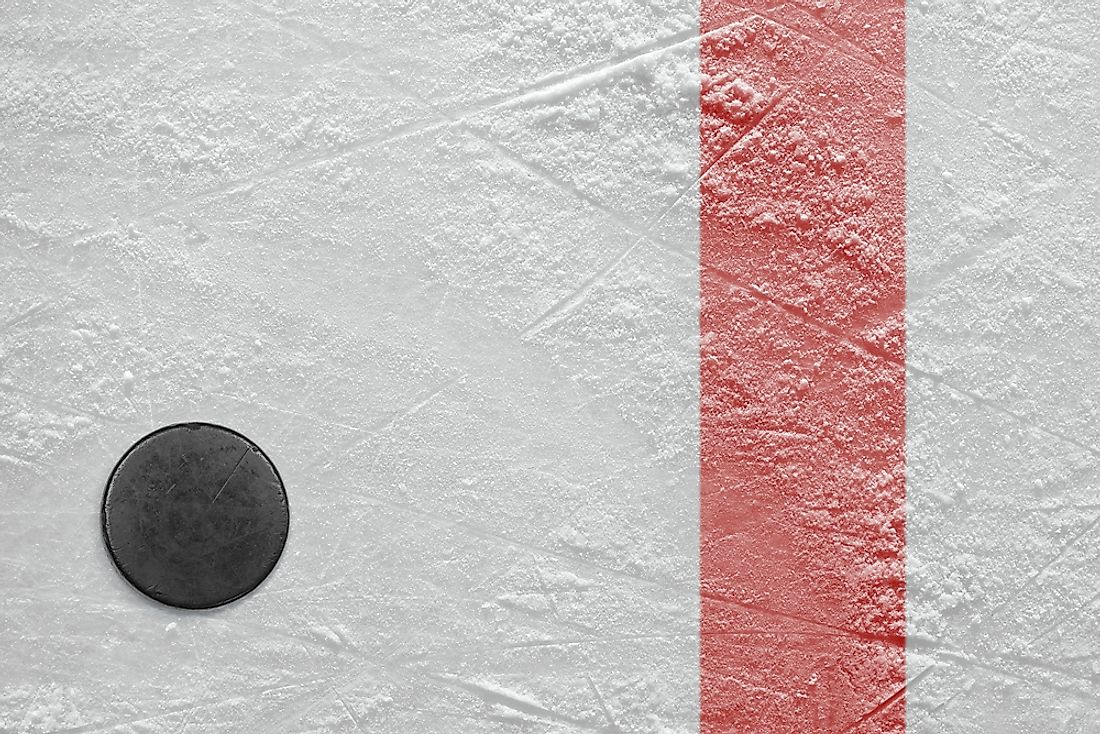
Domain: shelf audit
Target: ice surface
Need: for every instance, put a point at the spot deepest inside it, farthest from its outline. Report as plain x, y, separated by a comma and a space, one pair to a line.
1004, 437
438, 260
802, 363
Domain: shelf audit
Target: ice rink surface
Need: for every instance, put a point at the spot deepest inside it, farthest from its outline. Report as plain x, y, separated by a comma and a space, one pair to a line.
438, 260
1003, 350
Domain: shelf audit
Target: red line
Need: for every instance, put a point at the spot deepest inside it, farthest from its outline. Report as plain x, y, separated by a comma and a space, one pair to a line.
802, 375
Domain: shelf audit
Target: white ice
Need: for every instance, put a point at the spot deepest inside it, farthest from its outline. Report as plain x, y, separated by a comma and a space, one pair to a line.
438, 260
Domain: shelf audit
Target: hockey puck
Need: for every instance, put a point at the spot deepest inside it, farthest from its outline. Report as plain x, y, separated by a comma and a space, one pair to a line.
195, 515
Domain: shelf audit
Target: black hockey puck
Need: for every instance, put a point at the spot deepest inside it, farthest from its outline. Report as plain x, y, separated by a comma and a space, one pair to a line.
195, 515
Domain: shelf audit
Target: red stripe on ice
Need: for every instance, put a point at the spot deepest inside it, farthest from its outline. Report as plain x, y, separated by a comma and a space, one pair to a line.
802, 367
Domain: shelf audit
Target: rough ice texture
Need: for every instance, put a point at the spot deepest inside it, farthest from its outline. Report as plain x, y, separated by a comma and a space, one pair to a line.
1004, 419
802, 368
438, 259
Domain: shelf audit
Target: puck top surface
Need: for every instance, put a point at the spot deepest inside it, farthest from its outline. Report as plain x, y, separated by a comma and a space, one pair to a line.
195, 515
